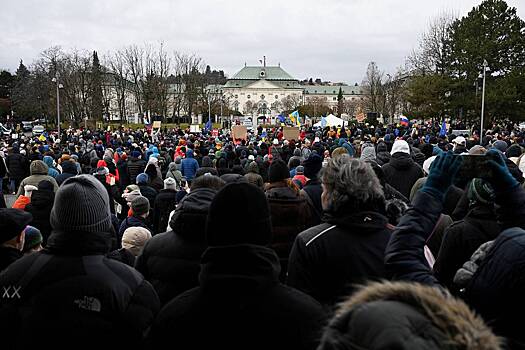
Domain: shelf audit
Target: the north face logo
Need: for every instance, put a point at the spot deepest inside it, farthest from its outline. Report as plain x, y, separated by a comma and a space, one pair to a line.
89, 303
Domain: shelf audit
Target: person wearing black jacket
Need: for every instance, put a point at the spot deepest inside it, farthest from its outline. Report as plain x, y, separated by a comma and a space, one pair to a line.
178, 251
12, 225
40, 207
122, 167
401, 171
328, 260
72, 286
146, 190
136, 166
240, 302
18, 168
165, 203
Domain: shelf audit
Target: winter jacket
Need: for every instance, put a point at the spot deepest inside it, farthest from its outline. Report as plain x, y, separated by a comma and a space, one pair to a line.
124, 179
135, 167
174, 173
73, 287
131, 221
290, 214
51, 171
189, 166
406, 316
150, 193
38, 170
178, 251
239, 306
40, 207
165, 203
312, 192
462, 239
402, 172
69, 169
328, 260
8, 256
123, 255
3, 168
21, 202
17, 165
452, 197
252, 175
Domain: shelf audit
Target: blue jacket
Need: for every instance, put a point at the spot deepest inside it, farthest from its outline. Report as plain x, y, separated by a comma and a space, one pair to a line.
189, 165
51, 171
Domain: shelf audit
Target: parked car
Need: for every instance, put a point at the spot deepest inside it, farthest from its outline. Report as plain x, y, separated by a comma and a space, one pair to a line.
38, 129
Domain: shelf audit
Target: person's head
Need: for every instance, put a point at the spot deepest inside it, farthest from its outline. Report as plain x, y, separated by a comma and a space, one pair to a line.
401, 315
253, 214
170, 184
33, 240
400, 146
140, 206
294, 162
45, 186
312, 165
151, 171
350, 185
299, 170
278, 171
480, 192
81, 207
134, 239
12, 225
142, 179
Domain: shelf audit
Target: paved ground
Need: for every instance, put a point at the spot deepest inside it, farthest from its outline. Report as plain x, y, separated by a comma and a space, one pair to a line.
9, 200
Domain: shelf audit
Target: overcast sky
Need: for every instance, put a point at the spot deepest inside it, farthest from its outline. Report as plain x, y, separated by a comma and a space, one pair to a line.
331, 39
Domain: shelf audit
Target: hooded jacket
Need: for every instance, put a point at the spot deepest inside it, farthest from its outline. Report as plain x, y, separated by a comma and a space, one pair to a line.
40, 207
51, 170
328, 260
406, 316
178, 251
69, 169
174, 173
16, 164
165, 203
189, 166
73, 287
239, 306
135, 167
252, 175
38, 170
402, 172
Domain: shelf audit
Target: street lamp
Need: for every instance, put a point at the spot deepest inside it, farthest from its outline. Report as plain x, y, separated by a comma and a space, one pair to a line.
59, 86
485, 64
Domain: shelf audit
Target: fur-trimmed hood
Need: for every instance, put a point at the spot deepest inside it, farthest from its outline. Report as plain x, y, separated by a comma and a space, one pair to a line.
400, 315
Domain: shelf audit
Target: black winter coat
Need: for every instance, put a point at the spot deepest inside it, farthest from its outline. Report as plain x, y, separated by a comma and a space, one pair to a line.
239, 306
40, 207
313, 190
328, 260
17, 165
123, 173
462, 239
402, 172
135, 167
8, 256
178, 252
131, 221
150, 193
72, 287
165, 203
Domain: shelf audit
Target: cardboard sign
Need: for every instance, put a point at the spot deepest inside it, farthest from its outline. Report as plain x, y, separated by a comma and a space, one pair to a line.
239, 132
195, 128
360, 117
291, 133
156, 124
215, 132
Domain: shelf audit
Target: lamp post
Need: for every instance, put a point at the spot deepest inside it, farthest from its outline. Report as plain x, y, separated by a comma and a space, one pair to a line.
485, 64
59, 86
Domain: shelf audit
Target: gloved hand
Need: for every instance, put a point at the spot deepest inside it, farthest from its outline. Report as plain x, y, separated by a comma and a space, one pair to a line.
500, 177
442, 173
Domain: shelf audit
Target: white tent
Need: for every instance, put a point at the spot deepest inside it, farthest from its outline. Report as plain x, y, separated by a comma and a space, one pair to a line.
332, 120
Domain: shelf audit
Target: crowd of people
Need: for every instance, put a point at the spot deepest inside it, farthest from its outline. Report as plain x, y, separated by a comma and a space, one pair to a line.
356, 237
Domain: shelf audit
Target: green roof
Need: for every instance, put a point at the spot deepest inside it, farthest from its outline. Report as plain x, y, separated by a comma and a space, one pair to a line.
332, 90
258, 72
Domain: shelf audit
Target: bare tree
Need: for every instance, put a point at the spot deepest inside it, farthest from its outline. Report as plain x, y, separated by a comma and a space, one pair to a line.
291, 102
429, 57
374, 88
189, 71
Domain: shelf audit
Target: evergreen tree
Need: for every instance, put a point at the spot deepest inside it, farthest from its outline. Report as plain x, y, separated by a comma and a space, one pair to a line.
340, 102
97, 105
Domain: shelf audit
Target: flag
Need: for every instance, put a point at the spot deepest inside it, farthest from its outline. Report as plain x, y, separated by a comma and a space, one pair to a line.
323, 122
294, 117
281, 118
443, 131
208, 125
403, 120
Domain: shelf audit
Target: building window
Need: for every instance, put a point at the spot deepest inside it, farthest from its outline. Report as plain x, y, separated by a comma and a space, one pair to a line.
236, 96
276, 97
248, 96
353, 98
334, 98
262, 97
287, 84
353, 93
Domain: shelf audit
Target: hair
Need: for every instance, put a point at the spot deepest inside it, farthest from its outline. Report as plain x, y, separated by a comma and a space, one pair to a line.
293, 162
207, 181
352, 185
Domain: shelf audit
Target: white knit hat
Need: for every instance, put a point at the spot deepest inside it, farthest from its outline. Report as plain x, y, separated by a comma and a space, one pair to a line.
134, 239
400, 146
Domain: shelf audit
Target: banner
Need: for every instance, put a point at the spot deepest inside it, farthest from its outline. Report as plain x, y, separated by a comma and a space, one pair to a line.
239, 132
291, 133
156, 124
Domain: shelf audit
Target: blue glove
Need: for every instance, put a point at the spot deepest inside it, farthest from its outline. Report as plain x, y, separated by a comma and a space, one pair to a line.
442, 173
500, 177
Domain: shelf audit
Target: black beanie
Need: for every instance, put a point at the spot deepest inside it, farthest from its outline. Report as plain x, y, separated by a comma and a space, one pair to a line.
45, 185
278, 171
81, 205
252, 223
140, 205
312, 166
12, 223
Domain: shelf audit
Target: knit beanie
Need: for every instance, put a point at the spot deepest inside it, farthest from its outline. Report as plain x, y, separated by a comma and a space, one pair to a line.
33, 237
312, 165
477, 149
514, 150
170, 183
299, 170
400, 146
81, 205
480, 191
45, 185
134, 239
500, 146
12, 223
278, 171
252, 224
140, 205
142, 178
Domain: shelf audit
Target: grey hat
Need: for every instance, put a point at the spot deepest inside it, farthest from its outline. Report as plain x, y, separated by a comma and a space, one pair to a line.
140, 205
81, 205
